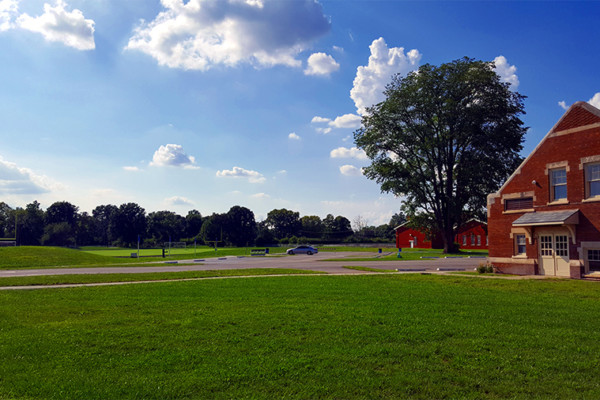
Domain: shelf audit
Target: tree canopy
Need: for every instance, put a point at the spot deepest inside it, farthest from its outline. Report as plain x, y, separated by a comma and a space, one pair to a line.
443, 139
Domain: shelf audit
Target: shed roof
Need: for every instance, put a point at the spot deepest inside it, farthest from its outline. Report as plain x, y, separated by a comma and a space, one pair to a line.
562, 217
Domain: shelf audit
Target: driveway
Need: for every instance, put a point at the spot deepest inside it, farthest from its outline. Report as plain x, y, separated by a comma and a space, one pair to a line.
303, 262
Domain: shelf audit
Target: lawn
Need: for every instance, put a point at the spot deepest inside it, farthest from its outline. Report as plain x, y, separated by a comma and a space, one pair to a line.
51, 257
377, 336
388, 254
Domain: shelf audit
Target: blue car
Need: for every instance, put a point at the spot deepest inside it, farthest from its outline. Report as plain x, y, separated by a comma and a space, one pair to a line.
303, 250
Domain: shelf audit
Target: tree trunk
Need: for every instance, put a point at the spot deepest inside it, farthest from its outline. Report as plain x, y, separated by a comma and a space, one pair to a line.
448, 238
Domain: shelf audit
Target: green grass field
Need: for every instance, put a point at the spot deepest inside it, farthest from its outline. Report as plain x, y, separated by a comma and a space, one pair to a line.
304, 337
46, 257
412, 254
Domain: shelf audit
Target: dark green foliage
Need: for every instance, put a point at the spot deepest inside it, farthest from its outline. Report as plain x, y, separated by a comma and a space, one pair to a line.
105, 220
130, 224
241, 226
284, 223
30, 225
165, 226
193, 223
444, 138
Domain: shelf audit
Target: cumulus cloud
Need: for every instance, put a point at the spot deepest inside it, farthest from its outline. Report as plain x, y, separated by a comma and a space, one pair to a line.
384, 62
507, 72
260, 196
172, 155
350, 170
563, 105
237, 172
199, 34
293, 136
57, 24
348, 121
8, 12
178, 201
595, 101
131, 168
344, 152
321, 64
15, 180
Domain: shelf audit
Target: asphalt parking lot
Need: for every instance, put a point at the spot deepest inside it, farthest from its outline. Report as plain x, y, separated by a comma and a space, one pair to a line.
314, 262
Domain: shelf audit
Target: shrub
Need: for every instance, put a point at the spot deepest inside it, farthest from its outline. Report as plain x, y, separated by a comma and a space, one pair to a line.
486, 268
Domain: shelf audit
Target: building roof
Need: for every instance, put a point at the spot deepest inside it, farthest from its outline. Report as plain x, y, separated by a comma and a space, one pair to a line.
562, 217
579, 111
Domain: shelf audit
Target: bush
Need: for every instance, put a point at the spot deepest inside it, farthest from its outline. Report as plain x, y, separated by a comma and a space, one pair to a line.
486, 268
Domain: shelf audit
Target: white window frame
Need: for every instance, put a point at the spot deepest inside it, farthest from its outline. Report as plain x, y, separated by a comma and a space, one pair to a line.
554, 184
520, 240
591, 177
464, 240
478, 240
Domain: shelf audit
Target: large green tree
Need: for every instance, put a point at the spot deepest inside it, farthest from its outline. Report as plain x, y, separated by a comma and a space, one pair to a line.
241, 226
284, 223
444, 137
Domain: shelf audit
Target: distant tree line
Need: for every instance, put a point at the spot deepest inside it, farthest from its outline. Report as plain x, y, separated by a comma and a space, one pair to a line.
61, 224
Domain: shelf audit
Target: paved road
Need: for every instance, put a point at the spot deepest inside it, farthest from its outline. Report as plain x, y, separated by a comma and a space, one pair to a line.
315, 263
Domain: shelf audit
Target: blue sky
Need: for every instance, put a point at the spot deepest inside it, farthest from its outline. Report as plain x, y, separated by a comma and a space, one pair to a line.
205, 104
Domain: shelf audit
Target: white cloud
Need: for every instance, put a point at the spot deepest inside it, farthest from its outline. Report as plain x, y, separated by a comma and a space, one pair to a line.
344, 152
172, 155
321, 64
16, 180
260, 196
199, 34
595, 101
318, 120
563, 105
131, 168
8, 12
350, 170
59, 25
237, 172
178, 201
348, 121
370, 80
293, 136
507, 72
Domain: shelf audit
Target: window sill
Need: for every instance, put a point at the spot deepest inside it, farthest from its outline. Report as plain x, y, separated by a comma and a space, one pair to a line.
518, 211
520, 256
591, 199
558, 202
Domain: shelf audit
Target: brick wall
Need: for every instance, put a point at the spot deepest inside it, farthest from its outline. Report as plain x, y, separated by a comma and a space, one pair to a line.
558, 149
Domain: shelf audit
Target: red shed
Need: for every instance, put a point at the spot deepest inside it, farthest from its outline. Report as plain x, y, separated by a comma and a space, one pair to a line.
407, 237
545, 219
472, 235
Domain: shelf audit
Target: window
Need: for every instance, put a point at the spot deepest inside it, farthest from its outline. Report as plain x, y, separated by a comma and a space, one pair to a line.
520, 244
592, 180
487, 240
472, 239
464, 240
594, 255
478, 240
518, 204
558, 184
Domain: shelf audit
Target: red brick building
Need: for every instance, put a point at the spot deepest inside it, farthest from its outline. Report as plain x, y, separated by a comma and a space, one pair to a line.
408, 238
546, 218
472, 235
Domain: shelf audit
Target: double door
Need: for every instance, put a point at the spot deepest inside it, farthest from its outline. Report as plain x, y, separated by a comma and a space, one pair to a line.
554, 253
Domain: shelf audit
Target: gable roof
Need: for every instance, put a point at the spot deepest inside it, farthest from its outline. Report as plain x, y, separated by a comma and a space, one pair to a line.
580, 116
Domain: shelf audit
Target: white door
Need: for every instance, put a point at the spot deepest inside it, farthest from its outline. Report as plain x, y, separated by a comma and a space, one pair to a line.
554, 254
